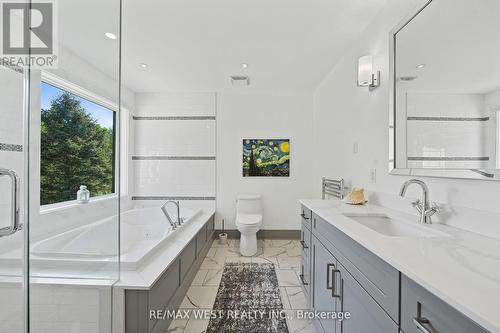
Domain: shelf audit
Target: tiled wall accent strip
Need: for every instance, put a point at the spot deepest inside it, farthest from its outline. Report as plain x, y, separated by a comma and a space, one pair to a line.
449, 118
11, 147
172, 198
174, 118
417, 158
173, 158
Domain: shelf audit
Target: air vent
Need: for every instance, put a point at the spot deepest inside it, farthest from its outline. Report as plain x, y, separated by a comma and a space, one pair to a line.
240, 81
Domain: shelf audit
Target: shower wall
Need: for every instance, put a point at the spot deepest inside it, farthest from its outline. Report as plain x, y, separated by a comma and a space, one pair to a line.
174, 157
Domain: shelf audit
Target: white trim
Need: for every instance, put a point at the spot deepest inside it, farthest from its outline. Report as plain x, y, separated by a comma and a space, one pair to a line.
70, 87
46, 209
77, 90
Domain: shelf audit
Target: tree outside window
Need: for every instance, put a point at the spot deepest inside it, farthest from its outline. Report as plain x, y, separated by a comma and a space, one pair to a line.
77, 146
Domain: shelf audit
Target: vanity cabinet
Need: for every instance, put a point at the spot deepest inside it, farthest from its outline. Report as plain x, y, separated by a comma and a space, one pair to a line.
335, 289
305, 241
345, 276
366, 314
378, 278
420, 308
326, 286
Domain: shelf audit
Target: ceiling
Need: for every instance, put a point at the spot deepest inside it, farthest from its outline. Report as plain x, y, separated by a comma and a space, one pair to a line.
196, 45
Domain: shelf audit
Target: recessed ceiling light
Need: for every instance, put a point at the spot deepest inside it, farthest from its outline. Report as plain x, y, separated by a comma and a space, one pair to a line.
244, 65
143, 65
421, 66
110, 35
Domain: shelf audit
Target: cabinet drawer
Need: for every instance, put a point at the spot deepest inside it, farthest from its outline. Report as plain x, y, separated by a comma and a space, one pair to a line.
188, 256
305, 217
366, 314
441, 317
377, 277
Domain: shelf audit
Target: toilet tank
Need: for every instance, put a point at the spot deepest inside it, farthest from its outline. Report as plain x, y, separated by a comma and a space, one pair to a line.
249, 204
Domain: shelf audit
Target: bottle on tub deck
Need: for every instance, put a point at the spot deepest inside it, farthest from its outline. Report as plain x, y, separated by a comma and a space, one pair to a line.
83, 195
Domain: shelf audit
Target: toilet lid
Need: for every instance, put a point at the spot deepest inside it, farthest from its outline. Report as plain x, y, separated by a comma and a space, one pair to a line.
249, 219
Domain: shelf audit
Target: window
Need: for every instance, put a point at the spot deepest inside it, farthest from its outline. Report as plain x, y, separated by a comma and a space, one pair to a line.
77, 145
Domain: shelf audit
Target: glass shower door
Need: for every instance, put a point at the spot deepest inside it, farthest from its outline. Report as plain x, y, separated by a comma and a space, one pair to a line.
13, 270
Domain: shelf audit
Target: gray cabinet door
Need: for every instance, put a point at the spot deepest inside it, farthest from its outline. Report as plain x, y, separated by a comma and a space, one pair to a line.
366, 314
420, 307
326, 291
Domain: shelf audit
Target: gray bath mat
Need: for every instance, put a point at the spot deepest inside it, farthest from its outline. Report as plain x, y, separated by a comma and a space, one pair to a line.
248, 301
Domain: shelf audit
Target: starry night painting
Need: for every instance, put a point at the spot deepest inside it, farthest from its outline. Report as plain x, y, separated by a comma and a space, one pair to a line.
266, 158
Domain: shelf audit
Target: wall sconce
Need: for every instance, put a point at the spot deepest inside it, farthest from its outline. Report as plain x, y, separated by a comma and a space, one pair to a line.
366, 76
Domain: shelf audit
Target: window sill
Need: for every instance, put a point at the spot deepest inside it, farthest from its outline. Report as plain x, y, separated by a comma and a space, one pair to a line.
61, 206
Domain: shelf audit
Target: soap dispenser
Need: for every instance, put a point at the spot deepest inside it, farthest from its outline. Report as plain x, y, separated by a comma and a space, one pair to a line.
83, 195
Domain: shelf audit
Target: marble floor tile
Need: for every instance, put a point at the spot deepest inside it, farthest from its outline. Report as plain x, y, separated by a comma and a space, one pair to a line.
283, 243
199, 297
289, 262
265, 260
234, 243
213, 277
298, 325
274, 252
287, 278
227, 252
238, 259
199, 277
218, 244
284, 298
284, 254
294, 251
196, 326
213, 263
211, 252
297, 298
177, 326
264, 243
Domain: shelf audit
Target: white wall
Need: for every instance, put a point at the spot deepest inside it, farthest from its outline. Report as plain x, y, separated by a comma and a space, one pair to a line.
255, 116
174, 154
344, 114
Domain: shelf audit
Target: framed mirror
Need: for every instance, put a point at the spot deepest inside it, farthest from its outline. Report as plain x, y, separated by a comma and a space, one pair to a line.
445, 91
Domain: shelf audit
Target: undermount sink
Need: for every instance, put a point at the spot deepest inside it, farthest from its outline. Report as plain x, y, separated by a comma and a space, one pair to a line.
388, 226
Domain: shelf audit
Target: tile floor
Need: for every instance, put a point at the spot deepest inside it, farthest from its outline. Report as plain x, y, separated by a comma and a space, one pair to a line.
284, 254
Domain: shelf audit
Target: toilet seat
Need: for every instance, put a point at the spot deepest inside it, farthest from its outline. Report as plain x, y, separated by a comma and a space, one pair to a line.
248, 219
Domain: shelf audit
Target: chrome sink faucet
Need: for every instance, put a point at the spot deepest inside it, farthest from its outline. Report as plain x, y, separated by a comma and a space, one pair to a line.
422, 206
169, 218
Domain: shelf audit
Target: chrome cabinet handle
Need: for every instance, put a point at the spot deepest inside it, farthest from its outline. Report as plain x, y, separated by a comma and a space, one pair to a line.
420, 321
15, 225
304, 246
302, 277
304, 216
334, 282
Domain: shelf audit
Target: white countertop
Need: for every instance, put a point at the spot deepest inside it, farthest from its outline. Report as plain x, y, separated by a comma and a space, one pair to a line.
148, 273
463, 269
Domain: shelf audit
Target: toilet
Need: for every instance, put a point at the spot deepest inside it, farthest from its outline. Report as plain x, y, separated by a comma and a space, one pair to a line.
248, 222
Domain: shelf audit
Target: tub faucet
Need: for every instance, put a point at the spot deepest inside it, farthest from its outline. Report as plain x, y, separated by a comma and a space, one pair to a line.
169, 218
422, 206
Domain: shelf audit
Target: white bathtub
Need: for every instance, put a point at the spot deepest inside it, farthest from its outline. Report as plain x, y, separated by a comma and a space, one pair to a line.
142, 231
